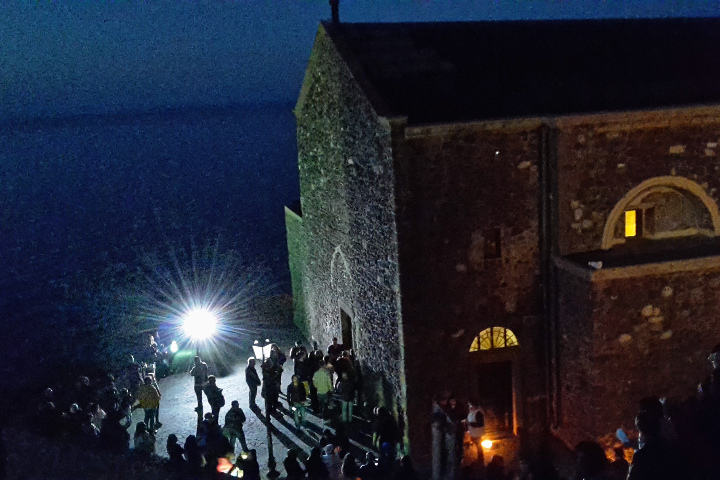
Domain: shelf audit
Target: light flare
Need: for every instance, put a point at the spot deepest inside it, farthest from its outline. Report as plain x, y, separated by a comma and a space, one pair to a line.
200, 324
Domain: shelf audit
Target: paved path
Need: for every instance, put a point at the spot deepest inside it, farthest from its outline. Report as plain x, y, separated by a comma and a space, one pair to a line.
178, 416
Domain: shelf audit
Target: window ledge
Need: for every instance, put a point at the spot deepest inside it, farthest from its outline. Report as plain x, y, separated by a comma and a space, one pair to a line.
598, 273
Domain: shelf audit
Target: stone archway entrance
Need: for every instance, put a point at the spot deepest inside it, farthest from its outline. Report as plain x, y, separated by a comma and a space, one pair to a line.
494, 378
495, 393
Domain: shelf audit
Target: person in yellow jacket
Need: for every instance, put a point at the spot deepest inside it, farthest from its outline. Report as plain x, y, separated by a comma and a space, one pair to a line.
148, 398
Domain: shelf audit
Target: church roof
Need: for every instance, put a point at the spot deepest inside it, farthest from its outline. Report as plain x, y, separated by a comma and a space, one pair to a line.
449, 72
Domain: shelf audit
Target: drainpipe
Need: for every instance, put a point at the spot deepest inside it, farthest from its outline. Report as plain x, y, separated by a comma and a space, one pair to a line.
548, 246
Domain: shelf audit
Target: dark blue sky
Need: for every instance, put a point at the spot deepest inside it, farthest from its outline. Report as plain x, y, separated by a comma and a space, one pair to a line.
66, 57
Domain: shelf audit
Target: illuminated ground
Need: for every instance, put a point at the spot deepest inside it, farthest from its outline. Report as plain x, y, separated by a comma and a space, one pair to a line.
178, 403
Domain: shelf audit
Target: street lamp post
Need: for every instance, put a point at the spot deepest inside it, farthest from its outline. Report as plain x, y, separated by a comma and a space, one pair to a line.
264, 352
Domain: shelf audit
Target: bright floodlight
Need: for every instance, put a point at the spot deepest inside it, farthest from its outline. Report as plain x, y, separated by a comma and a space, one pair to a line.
200, 324
174, 347
487, 444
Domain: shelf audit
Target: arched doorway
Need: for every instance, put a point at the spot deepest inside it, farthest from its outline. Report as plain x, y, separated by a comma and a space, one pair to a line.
495, 379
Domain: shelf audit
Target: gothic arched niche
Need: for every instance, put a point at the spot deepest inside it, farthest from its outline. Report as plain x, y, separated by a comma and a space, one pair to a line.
662, 208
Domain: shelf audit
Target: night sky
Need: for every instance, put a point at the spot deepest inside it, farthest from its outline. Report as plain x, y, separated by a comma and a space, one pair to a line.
129, 126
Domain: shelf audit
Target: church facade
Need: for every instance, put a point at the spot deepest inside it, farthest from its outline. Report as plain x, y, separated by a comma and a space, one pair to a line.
519, 212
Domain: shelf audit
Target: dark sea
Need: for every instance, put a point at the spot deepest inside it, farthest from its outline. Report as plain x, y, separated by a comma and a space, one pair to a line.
86, 196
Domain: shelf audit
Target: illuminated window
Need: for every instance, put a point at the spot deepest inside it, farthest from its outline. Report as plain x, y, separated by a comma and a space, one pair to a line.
659, 209
630, 223
494, 337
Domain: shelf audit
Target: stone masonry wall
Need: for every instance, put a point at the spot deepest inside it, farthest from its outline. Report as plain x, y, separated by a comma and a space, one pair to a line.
296, 260
640, 336
455, 187
347, 200
577, 372
601, 158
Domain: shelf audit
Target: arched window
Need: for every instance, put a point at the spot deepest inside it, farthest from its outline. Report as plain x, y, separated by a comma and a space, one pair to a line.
662, 208
494, 337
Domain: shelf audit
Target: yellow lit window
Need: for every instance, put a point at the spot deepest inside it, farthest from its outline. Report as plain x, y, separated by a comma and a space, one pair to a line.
631, 223
494, 337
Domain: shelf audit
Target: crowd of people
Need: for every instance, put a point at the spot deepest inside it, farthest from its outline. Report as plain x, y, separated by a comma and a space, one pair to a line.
97, 414
676, 440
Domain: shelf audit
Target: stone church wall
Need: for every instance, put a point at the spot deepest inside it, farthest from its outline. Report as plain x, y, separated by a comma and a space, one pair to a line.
347, 203
601, 158
633, 332
460, 190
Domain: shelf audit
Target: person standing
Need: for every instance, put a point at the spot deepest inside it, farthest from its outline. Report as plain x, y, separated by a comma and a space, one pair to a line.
214, 396
271, 374
233, 428
323, 385
476, 428
438, 423
149, 400
296, 396
335, 349
253, 382
200, 372
144, 441
345, 388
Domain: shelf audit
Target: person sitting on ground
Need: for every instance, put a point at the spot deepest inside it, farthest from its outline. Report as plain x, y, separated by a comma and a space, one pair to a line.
349, 466
314, 466
655, 459
194, 456
591, 460
327, 438
215, 396
174, 450
369, 469
144, 440
113, 433
619, 467
89, 433
341, 439
384, 428
98, 415
406, 470
233, 428
72, 421
249, 465
496, 469
293, 469
211, 439
333, 462
48, 418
